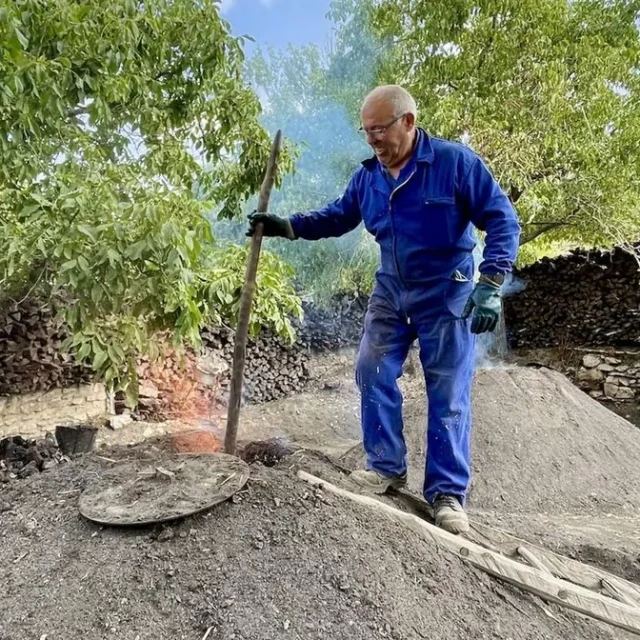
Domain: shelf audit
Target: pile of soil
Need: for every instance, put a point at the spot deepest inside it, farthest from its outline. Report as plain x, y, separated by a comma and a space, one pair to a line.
541, 444
280, 560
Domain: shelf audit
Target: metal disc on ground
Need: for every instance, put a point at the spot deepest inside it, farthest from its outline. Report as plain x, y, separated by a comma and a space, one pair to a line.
142, 491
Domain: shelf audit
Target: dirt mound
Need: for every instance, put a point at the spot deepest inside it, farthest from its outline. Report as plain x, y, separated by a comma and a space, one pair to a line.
279, 561
539, 445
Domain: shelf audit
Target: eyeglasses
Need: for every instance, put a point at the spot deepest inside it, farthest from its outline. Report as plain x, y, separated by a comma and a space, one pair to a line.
378, 132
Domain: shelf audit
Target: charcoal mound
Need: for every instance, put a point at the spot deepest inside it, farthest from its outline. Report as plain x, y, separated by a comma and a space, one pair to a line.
281, 560
543, 445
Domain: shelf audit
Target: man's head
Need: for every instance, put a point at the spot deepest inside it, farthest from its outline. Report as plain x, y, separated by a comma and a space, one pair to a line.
389, 115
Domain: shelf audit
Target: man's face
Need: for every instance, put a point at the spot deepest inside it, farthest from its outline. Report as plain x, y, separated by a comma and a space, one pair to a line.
390, 145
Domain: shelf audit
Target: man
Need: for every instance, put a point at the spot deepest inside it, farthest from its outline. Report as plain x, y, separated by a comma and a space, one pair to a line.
420, 197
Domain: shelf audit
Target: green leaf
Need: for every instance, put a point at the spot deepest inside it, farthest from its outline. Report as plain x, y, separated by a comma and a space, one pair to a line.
136, 250
115, 352
70, 264
96, 293
99, 358
21, 38
84, 351
88, 231
29, 209
83, 263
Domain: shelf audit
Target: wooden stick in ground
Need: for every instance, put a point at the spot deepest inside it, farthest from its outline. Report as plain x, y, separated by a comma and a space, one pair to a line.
545, 586
244, 315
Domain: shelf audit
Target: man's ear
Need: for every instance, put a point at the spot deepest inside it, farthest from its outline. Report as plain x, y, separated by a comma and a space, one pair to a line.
410, 120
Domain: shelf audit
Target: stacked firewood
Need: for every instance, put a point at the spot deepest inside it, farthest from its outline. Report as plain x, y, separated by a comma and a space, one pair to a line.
273, 368
30, 355
31, 358
584, 298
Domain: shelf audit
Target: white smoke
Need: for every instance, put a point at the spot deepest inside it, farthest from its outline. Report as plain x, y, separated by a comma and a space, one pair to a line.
493, 348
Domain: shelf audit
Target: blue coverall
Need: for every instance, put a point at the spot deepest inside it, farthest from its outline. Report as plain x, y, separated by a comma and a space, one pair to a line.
423, 222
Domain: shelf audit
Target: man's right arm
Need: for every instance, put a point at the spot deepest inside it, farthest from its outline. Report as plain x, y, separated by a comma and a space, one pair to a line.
336, 219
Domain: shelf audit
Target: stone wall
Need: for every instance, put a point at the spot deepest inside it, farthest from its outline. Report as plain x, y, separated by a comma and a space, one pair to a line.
35, 413
610, 378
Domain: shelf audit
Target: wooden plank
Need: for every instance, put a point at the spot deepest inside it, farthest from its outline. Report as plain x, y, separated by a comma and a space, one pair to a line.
533, 560
560, 566
503, 542
547, 587
614, 592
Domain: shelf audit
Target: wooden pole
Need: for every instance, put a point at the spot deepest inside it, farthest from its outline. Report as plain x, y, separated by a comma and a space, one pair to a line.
244, 315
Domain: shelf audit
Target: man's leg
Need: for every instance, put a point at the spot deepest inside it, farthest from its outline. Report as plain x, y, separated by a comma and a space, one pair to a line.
447, 356
383, 350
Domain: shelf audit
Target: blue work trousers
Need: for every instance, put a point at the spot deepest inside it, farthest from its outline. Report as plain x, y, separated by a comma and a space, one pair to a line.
396, 317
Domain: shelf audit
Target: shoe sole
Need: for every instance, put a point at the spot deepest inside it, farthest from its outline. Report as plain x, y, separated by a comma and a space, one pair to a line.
453, 524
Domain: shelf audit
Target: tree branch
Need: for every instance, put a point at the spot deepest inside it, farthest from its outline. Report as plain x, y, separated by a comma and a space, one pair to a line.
483, 54
542, 228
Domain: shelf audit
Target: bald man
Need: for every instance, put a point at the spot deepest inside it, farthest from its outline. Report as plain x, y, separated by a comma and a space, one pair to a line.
421, 198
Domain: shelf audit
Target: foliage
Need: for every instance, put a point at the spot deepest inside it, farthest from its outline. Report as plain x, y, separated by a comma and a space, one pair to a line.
320, 269
112, 114
547, 90
275, 298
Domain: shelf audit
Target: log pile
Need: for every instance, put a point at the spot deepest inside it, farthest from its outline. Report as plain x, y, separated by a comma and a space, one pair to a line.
273, 369
184, 386
30, 354
196, 386
174, 387
586, 298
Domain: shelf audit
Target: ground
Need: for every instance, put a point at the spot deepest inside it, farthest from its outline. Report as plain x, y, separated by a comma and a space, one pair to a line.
284, 561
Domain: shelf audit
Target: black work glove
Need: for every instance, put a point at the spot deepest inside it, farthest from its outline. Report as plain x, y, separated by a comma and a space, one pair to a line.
272, 225
485, 305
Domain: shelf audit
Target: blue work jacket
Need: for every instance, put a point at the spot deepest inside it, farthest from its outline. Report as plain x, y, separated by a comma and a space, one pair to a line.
424, 220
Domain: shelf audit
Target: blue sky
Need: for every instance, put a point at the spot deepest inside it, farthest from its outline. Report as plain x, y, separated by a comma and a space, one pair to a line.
279, 22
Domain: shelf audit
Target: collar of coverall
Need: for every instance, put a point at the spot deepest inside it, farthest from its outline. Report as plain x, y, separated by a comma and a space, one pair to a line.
423, 151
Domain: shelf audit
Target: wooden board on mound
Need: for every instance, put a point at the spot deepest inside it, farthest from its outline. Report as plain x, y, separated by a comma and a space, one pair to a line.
172, 486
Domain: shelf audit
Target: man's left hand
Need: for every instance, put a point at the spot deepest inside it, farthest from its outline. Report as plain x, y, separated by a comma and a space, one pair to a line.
485, 305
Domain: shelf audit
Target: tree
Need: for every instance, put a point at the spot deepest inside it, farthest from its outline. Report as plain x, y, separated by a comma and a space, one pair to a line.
548, 91
110, 113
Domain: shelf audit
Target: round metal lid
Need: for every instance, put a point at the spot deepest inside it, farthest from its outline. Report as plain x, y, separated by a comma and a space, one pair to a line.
171, 486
